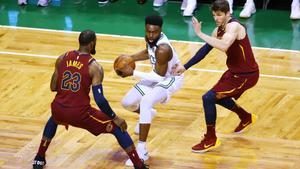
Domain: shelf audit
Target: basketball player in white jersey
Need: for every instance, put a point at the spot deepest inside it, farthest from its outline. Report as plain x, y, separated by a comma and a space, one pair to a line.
154, 87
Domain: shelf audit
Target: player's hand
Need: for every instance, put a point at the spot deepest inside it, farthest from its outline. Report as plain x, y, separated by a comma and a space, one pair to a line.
178, 69
196, 25
120, 123
126, 71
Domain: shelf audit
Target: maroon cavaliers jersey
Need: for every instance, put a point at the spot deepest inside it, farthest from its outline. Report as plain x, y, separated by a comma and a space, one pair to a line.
240, 58
74, 81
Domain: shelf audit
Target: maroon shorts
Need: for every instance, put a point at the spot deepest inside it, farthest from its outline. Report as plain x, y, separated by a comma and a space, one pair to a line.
234, 85
86, 117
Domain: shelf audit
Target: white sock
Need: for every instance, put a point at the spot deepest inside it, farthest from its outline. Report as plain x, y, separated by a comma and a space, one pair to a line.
141, 144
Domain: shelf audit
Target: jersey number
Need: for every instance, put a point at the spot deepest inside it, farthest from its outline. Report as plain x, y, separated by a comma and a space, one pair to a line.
71, 81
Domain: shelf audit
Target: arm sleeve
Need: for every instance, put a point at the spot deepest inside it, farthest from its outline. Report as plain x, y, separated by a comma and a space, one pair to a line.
102, 102
152, 76
202, 52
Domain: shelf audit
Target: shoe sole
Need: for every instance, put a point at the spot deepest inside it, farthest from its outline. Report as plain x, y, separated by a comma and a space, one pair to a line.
253, 119
218, 143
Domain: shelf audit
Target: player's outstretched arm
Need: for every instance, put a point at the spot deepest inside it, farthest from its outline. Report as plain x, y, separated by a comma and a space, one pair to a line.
222, 44
142, 55
163, 54
53, 83
202, 52
96, 72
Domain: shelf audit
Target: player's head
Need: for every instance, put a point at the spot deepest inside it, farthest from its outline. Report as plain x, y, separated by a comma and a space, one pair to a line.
221, 11
153, 26
87, 39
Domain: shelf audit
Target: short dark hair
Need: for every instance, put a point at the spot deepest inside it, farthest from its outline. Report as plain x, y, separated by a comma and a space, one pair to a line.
220, 5
86, 37
154, 20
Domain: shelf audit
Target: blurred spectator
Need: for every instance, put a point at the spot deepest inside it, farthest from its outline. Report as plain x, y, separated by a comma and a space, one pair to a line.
249, 8
40, 2
188, 6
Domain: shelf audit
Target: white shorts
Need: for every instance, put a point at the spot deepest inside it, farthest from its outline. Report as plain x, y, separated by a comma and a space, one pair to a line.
170, 84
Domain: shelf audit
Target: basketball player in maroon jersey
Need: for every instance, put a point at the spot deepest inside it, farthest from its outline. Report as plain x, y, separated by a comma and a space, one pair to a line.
229, 36
75, 72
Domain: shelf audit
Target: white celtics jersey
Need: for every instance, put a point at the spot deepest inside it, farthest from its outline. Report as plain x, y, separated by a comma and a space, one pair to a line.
151, 51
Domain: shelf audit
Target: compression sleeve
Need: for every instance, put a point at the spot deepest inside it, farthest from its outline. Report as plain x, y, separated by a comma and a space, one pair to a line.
101, 101
202, 52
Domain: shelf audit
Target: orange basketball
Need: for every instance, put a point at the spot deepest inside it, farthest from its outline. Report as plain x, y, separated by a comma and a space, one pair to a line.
121, 62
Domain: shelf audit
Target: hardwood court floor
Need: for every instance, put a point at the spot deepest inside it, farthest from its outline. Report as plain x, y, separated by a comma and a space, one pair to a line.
27, 59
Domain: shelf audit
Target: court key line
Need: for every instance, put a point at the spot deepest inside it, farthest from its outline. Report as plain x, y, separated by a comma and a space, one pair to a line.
147, 65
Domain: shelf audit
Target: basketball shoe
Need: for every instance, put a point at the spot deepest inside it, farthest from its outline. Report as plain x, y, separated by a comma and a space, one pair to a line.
208, 143
22, 2
230, 2
142, 152
102, 1
183, 4
39, 162
190, 7
245, 123
249, 9
158, 3
43, 3
295, 12
137, 126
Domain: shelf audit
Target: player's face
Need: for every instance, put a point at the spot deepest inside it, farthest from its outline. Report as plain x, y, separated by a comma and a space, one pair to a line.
220, 17
152, 33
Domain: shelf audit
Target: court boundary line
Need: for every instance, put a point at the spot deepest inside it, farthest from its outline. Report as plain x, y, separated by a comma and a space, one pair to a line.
133, 37
146, 65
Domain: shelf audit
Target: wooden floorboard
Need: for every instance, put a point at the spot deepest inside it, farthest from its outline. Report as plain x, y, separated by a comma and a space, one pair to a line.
27, 58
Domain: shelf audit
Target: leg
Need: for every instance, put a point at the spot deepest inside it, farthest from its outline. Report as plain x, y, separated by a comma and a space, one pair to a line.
48, 134
157, 95
210, 140
133, 97
295, 10
126, 143
96, 122
230, 5
190, 7
245, 117
230, 104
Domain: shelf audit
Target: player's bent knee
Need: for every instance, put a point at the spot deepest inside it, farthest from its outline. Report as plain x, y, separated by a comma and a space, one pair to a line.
210, 96
129, 105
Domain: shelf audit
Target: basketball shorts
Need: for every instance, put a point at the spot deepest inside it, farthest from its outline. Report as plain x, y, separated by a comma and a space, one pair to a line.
89, 118
234, 85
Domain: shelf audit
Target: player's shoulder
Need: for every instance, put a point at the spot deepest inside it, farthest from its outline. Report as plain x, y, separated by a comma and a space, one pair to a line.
233, 27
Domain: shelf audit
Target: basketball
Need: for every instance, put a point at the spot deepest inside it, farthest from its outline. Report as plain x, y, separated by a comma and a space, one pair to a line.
121, 62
